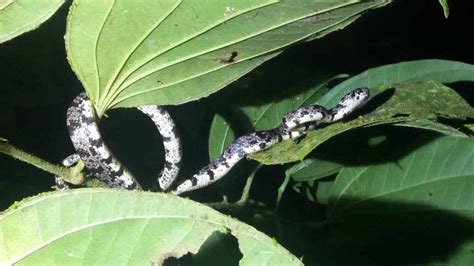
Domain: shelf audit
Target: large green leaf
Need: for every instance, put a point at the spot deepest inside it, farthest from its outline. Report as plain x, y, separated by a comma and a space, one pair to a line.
411, 101
97, 226
444, 71
416, 204
170, 52
439, 174
20, 16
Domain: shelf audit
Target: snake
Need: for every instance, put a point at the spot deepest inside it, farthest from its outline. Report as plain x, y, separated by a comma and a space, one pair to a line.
101, 163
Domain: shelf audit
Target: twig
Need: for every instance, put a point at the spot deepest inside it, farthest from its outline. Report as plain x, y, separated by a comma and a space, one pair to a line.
72, 175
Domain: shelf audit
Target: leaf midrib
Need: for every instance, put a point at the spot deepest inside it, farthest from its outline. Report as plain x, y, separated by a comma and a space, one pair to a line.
185, 39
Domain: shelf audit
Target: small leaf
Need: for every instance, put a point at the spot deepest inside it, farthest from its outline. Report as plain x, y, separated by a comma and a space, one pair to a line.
445, 6
171, 52
98, 226
221, 136
323, 192
20, 16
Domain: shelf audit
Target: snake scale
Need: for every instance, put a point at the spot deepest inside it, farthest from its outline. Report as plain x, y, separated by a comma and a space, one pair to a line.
100, 162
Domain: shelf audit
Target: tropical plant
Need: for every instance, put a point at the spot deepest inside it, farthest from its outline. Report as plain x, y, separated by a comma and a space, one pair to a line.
392, 184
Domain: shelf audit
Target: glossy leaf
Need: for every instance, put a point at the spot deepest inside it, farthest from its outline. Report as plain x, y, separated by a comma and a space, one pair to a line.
439, 174
423, 199
170, 52
20, 16
443, 71
97, 226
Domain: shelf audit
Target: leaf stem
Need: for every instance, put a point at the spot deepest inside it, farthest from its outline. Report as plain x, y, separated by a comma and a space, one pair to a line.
281, 190
72, 175
248, 184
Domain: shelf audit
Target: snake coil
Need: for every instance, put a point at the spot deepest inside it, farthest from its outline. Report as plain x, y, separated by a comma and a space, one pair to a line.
100, 162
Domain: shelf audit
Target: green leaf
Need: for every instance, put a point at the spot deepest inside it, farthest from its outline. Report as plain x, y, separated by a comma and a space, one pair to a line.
470, 127
419, 203
97, 226
170, 52
311, 169
443, 71
411, 101
434, 126
221, 136
307, 170
20, 16
323, 192
440, 174
445, 6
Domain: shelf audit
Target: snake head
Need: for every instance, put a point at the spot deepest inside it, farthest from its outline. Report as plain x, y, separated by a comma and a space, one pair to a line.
357, 97
350, 102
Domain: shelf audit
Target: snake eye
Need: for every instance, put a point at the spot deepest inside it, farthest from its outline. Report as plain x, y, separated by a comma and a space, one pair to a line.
364, 92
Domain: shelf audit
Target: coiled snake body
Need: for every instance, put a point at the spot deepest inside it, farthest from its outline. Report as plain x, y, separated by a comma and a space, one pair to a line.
100, 162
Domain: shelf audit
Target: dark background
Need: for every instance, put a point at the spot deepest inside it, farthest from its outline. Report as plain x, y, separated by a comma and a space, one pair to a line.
38, 85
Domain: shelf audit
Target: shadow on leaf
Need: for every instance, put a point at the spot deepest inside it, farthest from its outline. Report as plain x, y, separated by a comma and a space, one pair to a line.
369, 146
399, 233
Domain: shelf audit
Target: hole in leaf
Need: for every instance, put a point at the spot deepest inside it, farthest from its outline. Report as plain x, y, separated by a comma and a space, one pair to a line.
218, 249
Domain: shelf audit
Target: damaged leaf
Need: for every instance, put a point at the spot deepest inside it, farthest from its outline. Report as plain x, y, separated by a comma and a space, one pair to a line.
97, 226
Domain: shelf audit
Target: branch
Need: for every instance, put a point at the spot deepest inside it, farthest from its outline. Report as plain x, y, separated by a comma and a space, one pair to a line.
72, 175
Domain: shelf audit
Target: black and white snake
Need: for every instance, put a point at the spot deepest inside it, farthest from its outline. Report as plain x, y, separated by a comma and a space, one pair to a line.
100, 162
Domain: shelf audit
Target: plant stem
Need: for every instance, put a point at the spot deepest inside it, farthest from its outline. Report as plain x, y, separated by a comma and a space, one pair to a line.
248, 184
72, 175
281, 190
